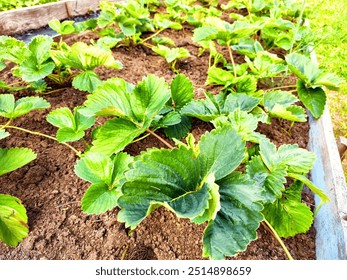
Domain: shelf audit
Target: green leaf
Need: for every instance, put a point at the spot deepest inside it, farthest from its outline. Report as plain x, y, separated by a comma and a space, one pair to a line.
107, 177
182, 91
175, 178
272, 182
86, 81
218, 76
288, 215
13, 50
31, 71
71, 126
221, 152
13, 220
313, 99
178, 131
85, 57
238, 219
279, 104
324, 198
217, 105
171, 54
39, 48
14, 158
296, 159
99, 199
310, 74
37, 66
205, 33
63, 28
157, 176
115, 135
9, 108
242, 122
291, 113
112, 98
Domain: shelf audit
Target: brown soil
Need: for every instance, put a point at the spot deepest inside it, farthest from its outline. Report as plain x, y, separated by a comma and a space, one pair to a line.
52, 192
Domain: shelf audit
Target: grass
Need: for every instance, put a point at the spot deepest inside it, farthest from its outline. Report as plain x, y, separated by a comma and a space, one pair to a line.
328, 22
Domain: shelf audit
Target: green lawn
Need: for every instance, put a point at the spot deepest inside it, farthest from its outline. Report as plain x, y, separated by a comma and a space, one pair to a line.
329, 22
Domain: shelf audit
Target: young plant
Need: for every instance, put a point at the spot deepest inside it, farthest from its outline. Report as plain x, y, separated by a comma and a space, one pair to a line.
134, 109
85, 58
171, 55
311, 81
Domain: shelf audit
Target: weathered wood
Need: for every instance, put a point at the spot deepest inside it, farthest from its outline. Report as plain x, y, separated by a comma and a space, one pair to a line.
342, 146
21, 20
327, 174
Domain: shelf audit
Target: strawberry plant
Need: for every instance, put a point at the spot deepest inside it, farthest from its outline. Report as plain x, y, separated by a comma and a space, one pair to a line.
13, 217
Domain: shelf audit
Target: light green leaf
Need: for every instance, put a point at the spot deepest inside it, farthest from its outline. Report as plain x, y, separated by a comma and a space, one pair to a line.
31, 71
313, 99
324, 198
63, 28
85, 57
288, 217
240, 101
13, 220
61, 117
13, 50
329, 80
86, 81
9, 108
283, 98
296, 159
14, 158
291, 113
39, 48
238, 219
218, 76
242, 122
171, 54
71, 126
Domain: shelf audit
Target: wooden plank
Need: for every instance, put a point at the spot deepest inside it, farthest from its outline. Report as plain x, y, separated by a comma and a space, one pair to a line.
327, 174
21, 20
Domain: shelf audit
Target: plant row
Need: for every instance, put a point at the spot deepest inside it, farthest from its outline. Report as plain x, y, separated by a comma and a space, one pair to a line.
233, 178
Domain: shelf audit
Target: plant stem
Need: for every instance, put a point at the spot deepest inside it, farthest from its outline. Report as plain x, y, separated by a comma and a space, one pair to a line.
55, 90
153, 35
78, 153
274, 233
167, 144
139, 139
282, 87
6, 124
232, 60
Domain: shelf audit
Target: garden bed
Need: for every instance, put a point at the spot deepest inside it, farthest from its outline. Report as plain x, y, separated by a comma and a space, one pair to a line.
52, 193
